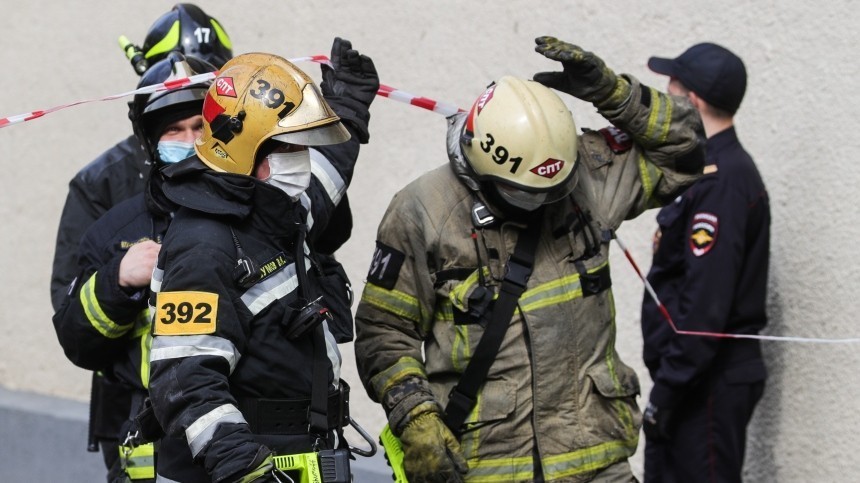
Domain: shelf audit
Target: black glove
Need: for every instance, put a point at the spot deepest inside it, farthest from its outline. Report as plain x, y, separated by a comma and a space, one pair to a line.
585, 75
655, 422
351, 75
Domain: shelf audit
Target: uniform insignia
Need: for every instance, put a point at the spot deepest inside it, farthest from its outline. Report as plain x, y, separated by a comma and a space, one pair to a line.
185, 313
385, 266
703, 233
273, 266
618, 140
709, 168
224, 87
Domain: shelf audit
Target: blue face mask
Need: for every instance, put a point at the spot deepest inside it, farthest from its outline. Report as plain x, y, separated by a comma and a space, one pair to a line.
174, 151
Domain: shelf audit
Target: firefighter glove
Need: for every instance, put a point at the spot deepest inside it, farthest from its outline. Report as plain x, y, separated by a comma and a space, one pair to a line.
431, 453
351, 75
262, 472
655, 422
584, 75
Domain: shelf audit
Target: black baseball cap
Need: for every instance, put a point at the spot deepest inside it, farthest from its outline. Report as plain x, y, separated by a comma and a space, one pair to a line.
712, 71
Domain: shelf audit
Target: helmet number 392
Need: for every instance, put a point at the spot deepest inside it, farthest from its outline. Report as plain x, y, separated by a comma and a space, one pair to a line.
271, 97
500, 154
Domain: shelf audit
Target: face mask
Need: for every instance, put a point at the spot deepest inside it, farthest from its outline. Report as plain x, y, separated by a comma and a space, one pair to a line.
170, 152
290, 172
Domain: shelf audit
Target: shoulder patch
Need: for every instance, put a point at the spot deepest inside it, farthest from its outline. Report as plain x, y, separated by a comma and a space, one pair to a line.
618, 140
703, 233
185, 313
385, 266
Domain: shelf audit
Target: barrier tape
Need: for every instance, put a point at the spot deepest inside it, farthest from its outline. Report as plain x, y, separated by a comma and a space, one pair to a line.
384, 91
665, 313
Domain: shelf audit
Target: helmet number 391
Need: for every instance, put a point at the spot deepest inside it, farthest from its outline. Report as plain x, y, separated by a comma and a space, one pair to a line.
272, 98
500, 154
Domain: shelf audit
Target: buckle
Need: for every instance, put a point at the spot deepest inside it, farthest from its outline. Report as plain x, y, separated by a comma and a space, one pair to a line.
517, 273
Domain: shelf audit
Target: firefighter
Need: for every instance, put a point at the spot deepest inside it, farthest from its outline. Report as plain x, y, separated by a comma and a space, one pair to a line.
103, 324
244, 364
522, 192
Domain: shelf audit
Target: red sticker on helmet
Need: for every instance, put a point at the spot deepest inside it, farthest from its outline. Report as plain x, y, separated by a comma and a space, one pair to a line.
485, 98
703, 233
549, 168
224, 87
211, 108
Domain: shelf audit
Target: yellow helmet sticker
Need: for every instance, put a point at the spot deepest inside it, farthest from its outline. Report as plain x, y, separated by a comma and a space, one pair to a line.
185, 313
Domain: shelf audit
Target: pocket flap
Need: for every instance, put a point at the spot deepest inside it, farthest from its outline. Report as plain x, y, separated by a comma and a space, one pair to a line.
623, 383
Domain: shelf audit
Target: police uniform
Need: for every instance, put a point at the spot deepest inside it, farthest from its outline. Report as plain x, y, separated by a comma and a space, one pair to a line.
710, 271
558, 403
221, 364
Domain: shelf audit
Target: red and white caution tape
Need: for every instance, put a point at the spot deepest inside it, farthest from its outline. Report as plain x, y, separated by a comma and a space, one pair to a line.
384, 91
665, 313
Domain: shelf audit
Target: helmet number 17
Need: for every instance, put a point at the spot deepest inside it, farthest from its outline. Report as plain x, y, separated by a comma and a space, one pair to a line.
202, 34
500, 154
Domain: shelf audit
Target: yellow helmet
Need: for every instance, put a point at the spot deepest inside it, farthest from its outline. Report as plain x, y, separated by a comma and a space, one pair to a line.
258, 97
521, 135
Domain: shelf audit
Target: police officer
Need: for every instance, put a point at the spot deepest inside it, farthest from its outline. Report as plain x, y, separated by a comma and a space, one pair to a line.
556, 403
710, 271
244, 363
103, 325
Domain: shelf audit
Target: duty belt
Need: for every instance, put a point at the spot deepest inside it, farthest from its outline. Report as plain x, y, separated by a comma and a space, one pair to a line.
290, 416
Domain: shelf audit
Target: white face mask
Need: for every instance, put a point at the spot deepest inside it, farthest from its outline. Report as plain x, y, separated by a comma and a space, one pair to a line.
290, 172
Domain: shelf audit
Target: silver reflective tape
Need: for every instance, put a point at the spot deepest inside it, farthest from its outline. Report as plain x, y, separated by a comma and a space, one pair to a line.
325, 172
166, 347
201, 432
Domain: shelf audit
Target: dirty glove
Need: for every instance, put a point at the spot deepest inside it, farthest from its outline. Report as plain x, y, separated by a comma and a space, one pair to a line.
431, 453
262, 472
655, 422
585, 75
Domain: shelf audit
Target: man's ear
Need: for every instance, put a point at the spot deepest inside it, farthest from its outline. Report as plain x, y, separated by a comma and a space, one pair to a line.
697, 101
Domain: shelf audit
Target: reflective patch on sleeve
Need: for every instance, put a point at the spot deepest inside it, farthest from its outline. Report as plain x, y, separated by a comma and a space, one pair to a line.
385, 267
185, 313
703, 233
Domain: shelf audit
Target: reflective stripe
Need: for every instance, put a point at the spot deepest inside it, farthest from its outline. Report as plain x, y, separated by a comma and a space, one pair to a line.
143, 331
93, 310
333, 352
328, 176
649, 174
404, 367
556, 292
273, 288
166, 347
305, 200
393, 301
161, 479
140, 462
221, 34
659, 119
167, 43
588, 459
201, 432
157, 278
504, 469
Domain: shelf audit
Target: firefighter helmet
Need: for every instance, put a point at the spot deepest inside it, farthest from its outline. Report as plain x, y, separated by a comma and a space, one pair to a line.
258, 97
150, 113
187, 28
520, 135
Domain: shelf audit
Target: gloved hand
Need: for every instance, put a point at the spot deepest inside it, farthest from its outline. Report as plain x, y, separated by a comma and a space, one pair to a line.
655, 422
585, 75
262, 472
351, 74
431, 453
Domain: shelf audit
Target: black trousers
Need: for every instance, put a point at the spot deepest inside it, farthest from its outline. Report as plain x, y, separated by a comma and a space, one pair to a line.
708, 434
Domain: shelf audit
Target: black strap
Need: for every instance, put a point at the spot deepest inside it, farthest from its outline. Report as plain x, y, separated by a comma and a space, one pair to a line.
318, 410
464, 395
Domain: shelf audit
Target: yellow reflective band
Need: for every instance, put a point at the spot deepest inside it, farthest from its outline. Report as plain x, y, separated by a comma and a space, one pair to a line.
505, 469
660, 118
392, 301
139, 461
620, 406
458, 294
461, 352
222, 35
556, 292
166, 44
645, 176
145, 345
588, 459
93, 310
403, 368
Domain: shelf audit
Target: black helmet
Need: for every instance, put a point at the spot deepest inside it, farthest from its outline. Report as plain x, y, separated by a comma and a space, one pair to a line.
187, 28
151, 113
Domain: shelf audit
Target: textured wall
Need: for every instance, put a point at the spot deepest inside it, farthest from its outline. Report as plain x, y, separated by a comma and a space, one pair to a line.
797, 121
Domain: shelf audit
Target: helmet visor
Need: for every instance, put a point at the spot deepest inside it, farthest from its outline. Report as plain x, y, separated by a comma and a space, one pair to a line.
319, 136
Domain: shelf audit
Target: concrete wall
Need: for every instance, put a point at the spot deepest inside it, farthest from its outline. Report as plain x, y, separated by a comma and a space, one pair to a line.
797, 120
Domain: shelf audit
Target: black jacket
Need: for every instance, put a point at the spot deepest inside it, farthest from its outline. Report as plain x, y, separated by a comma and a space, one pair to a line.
710, 271
116, 175
217, 339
